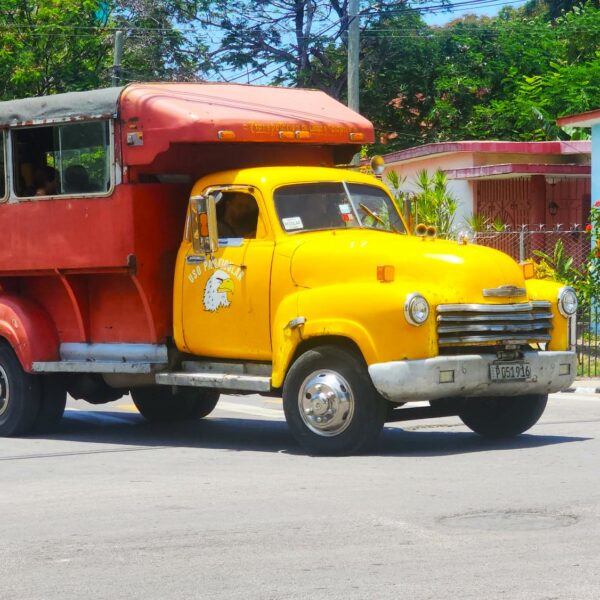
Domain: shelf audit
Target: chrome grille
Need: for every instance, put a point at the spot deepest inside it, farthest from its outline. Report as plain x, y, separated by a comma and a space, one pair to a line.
472, 324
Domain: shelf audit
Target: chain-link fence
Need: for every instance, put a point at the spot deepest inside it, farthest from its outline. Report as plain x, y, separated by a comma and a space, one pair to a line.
528, 242
588, 341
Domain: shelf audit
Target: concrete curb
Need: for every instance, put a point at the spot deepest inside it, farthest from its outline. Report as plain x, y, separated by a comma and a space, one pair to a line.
581, 390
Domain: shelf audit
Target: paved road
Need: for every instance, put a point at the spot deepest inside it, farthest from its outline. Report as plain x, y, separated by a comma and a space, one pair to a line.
228, 508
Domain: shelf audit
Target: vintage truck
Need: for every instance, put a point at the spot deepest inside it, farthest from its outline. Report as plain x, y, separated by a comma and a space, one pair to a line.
177, 241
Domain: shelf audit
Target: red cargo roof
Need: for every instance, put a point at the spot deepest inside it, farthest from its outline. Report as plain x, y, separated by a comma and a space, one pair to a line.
167, 113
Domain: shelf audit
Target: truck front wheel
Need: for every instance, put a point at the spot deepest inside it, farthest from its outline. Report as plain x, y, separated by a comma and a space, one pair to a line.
161, 404
503, 417
330, 404
19, 395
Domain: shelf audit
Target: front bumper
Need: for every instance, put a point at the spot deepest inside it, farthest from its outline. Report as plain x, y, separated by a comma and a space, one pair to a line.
416, 380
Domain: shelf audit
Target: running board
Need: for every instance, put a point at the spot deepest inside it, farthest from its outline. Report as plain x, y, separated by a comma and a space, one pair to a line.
105, 358
223, 381
101, 366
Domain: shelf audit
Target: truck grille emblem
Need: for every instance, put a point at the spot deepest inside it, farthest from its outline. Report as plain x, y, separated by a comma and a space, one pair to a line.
504, 291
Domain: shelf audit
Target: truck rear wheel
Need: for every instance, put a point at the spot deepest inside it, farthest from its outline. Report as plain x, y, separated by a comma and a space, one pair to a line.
160, 404
19, 395
330, 404
503, 417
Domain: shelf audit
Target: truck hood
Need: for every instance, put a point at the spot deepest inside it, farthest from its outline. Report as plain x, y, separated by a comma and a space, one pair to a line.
444, 270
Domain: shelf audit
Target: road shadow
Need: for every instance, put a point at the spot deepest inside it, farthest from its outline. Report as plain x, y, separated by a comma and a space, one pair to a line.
257, 435
398, 442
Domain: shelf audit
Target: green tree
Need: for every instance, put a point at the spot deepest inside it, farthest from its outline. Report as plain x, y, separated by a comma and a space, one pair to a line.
507, 77
292, 42
160, 44
53, 46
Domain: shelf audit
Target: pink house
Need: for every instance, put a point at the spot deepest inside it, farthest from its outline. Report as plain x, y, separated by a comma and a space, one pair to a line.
520, 182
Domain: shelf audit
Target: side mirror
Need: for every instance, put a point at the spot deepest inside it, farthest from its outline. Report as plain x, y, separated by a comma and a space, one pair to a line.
203, 217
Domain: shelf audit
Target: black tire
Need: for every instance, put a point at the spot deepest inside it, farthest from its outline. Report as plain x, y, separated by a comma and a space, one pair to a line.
503, 417
19, 395
160, 405
343, 374
52, 403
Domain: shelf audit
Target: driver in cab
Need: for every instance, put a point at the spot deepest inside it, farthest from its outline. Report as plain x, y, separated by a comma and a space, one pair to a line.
237, 215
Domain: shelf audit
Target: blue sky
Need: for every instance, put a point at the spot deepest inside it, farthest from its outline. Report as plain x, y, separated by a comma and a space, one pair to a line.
490, 9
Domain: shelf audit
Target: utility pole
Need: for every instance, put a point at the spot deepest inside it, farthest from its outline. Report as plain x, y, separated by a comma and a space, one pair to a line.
118, 53
353, 54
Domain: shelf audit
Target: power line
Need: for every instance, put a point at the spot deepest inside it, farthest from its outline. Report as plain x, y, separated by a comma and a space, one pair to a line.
439, 7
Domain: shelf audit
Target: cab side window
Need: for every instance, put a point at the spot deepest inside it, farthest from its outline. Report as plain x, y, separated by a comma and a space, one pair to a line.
237, 215
2, 169
62, 159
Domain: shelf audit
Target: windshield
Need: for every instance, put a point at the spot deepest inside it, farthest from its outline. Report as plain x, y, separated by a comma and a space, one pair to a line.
335, 205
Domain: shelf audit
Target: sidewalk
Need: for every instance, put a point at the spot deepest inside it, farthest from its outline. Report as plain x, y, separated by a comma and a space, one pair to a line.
589, 385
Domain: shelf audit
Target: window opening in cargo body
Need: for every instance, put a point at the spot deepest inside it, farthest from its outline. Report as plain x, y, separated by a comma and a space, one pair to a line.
2, 170
62, 159
336, 205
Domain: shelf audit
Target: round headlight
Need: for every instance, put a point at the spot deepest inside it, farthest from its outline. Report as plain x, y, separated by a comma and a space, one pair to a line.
567, 301
416, 309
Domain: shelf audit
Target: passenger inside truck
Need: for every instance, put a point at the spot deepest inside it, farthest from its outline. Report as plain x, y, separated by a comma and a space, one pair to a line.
76, 180
61, 159
237, 215
45, 181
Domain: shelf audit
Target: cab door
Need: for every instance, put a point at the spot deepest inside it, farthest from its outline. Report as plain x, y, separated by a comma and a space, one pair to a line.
225, 296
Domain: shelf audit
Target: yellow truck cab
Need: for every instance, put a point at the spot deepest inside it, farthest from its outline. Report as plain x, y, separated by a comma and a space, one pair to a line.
178, 241
331, 300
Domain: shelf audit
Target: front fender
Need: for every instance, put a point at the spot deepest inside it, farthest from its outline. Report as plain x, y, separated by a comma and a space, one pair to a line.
545, 289
28, 328
285, 339
370, 315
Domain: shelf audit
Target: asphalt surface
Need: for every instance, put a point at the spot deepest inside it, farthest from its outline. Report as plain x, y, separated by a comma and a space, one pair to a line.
229, 508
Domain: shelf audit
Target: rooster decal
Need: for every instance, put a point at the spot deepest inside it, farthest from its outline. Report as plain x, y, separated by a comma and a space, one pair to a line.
217, 291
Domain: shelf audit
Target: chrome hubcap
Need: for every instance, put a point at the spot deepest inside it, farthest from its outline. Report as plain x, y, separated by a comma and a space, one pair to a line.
326, 403
4, 391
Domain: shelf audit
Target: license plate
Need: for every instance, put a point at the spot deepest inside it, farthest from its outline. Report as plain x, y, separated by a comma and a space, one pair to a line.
515, 371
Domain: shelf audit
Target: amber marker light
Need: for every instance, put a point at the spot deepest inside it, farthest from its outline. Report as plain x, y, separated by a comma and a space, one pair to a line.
203, 224
528, 269
386, 273
286, 135
357, 136
226, 134
303, 135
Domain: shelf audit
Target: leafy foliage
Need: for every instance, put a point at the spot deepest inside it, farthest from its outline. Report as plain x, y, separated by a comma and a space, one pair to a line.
53, 46
559, 265
155, 48
49, 47
507, 77
293, 42
432, 203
